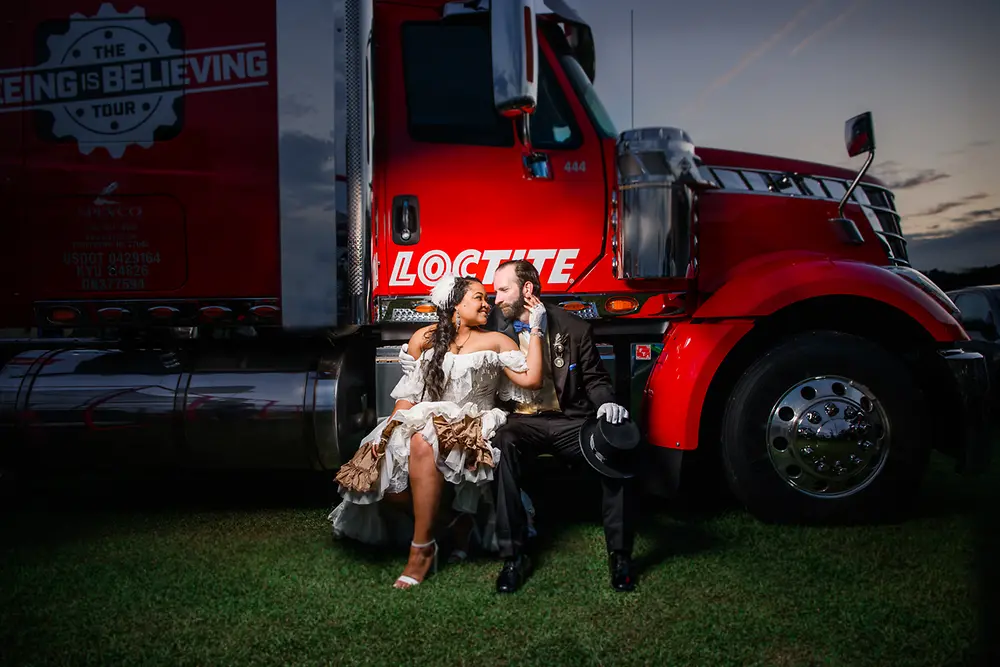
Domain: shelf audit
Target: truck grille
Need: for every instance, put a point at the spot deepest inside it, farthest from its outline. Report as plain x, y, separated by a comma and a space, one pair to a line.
882, 203
877, 202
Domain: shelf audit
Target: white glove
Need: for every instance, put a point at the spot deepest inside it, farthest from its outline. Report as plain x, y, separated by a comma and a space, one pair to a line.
613, 412
406, 362
538, 318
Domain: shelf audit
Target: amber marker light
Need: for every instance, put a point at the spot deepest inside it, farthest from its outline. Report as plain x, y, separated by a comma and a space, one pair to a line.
620, 304
575, 306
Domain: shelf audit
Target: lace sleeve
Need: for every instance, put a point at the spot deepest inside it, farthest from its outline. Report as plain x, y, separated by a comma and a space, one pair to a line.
411, 386
507, 390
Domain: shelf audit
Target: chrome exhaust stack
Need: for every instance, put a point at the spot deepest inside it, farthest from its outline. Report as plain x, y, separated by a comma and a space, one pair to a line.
654, 233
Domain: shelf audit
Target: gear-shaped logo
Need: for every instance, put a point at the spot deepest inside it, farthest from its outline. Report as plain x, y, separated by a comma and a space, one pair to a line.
113, 59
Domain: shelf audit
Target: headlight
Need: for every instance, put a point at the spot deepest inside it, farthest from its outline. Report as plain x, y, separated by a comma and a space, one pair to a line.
927, 285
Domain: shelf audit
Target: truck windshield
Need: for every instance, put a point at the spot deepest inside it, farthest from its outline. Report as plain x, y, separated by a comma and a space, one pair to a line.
588, 97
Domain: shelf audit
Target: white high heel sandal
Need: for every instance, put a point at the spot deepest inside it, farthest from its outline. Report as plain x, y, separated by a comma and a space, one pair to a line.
406, 579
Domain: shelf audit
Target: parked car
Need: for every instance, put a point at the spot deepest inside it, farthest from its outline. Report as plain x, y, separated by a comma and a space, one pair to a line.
980, 306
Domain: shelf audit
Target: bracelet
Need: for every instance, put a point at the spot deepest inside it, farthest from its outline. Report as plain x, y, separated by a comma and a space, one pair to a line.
538, 332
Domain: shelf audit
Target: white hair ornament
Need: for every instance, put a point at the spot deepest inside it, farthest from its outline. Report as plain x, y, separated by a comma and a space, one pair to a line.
441, 293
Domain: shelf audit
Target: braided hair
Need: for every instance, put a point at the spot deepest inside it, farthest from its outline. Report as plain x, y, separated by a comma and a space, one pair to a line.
443, 335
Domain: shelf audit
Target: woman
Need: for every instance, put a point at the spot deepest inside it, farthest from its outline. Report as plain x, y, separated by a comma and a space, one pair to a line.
442, 423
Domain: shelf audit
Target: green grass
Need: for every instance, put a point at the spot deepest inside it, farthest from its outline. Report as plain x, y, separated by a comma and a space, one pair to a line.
114, 574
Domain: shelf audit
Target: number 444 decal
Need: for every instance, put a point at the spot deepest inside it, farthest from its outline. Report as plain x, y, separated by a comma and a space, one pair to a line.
573, 165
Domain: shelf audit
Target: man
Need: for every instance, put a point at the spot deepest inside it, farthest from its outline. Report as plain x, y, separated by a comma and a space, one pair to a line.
575, 386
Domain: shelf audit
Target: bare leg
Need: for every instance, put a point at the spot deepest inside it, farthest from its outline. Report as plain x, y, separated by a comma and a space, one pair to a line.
403, 499
426, 483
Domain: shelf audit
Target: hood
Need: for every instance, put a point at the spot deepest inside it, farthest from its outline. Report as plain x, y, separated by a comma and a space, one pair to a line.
718, 157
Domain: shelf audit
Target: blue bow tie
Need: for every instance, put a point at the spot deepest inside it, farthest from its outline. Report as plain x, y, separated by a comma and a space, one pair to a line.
520, 326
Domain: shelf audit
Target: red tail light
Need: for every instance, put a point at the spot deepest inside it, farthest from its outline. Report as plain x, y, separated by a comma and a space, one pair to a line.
113, 314
214, 312
264, 311
163, 312
64, 315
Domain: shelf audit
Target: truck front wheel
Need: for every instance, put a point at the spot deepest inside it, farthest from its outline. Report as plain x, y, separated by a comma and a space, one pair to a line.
825, 427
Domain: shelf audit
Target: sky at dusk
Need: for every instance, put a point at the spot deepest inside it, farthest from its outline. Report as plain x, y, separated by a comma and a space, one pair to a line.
781, 77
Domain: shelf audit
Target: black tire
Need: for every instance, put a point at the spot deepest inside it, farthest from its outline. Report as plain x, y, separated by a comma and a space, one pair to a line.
747, 450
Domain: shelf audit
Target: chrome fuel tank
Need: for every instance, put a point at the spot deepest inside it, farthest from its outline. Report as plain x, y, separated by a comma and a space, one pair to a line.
282, 410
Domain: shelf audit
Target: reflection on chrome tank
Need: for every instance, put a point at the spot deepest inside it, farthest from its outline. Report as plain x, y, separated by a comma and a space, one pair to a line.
205, 410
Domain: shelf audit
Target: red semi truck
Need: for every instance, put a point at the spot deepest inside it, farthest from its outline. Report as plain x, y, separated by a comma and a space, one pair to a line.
220, 222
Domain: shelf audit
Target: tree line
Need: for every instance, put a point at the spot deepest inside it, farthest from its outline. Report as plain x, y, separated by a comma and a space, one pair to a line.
948, 280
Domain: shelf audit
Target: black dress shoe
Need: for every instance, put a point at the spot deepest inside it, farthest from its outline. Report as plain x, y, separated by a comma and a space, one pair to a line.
622, 571
514, 573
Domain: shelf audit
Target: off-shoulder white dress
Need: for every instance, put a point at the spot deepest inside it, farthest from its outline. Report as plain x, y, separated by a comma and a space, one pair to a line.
459, 429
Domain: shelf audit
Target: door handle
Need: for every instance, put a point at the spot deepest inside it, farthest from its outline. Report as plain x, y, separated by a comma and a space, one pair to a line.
537, 165
405, 220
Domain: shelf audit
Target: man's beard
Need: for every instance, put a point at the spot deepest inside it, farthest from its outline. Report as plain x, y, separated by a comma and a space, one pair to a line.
513, 311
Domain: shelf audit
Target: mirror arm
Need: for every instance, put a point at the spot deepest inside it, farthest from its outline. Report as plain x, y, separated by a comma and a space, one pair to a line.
525, 131
857, 179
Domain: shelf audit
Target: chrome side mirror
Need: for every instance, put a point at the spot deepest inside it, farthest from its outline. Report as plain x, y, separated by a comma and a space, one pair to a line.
859, 137
859, 134
515, 57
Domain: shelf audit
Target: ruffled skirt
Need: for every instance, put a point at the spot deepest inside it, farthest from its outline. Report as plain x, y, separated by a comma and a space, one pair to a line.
459, 436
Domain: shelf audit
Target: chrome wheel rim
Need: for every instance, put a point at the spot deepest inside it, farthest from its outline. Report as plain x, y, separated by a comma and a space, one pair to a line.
828, 437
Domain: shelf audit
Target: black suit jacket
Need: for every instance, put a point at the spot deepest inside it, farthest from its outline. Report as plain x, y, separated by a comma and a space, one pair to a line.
582, 383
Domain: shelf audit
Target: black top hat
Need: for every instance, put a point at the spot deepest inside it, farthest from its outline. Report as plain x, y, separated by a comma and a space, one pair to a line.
608, 447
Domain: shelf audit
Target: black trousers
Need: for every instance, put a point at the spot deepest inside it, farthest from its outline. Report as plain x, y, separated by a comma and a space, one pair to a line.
556, 434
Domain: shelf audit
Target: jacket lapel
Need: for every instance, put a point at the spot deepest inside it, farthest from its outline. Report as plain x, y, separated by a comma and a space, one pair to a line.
558, 349
508, 328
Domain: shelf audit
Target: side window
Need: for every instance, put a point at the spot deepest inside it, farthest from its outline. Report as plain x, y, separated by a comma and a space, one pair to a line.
449, 85
449, 91
553, 125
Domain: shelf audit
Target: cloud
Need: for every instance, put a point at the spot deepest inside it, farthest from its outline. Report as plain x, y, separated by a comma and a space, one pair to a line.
829, 26
920, 178
898, 178
975, 217
888, 169
971, 146
753, 55
973, 246
948, 205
